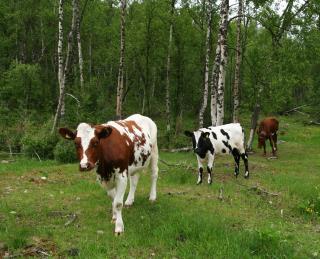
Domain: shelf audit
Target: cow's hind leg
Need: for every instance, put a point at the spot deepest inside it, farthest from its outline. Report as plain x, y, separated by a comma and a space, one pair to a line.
154, 172
236, 156
133, 186
121, 184
244, 157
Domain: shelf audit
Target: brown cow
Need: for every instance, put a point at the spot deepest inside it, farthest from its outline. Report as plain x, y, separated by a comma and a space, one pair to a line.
268, 128
118, 149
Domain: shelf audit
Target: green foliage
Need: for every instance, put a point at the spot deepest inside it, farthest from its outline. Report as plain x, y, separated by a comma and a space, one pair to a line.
64, 151
38, 142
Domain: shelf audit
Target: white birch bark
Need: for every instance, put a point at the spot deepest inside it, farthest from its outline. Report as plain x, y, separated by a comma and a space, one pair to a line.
63, 69
206, 73
236, 86
223, 61
121, 63
60, 65
80, 57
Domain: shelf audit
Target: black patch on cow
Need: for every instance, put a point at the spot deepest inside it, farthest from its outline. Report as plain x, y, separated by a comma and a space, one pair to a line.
105, 171
214, 135
223, 150
200, 175
225, 133
226, 143
236, 156
204, 145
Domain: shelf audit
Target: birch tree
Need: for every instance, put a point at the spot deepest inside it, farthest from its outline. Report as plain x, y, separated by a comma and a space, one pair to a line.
168, 68
121, 63
63, 68
206, 73
236, 86
80, 57
215, 75
223, 60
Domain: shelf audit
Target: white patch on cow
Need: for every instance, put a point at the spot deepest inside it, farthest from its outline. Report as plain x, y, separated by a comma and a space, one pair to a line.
85, 132
128, 144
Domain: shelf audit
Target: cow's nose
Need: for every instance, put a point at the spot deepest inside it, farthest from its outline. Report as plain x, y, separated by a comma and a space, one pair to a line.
84, 165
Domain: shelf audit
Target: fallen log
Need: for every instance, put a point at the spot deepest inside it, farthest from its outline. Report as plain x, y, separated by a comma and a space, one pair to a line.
174, 150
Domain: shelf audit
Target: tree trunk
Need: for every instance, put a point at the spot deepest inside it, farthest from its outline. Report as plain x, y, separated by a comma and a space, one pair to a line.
236, 100
206, 72
254, 121
223, 61
63, 69
215, 76
168, 69
60, 66
121, 64
79, 43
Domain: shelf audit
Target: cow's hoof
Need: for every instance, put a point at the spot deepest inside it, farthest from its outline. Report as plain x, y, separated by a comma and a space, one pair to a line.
117, 234
209, 182
198, 183
128, 204
246, 175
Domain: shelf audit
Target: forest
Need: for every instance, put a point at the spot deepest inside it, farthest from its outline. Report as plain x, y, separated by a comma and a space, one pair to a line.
184, 63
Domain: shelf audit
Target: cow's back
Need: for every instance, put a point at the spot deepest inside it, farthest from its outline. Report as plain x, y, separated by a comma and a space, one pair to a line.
269, 125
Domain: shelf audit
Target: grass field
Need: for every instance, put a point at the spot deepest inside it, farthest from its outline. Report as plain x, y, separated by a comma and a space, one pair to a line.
48, 208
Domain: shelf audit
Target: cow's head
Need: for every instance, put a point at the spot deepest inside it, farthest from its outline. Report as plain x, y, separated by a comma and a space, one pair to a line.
203, 145
262, 135
87, 142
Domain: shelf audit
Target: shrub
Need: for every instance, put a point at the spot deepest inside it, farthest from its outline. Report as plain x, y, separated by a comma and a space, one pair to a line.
64, 152
37, 141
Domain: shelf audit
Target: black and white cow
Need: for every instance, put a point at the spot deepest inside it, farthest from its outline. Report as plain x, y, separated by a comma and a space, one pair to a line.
225, 139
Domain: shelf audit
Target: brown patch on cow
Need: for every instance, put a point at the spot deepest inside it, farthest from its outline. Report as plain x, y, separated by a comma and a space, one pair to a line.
128, 126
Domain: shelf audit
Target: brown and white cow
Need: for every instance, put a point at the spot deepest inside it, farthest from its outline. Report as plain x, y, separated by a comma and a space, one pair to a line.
118, 149
268, 128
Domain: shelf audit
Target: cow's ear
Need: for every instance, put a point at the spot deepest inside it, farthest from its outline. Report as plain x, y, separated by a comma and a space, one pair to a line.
102, 131
67, 134
205, 134
188, 133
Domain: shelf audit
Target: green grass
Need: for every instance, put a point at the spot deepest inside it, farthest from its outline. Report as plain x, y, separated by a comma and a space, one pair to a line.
187, 221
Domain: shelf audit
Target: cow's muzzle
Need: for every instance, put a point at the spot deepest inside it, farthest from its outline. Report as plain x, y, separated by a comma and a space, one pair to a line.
86, 166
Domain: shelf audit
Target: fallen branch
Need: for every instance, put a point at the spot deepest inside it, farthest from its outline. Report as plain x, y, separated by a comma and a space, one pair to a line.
259, 190
183, 149
187, 167
295, 109
314, 123
71, 220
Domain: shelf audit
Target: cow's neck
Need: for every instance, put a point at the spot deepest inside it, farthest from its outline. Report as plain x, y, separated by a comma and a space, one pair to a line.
105, 170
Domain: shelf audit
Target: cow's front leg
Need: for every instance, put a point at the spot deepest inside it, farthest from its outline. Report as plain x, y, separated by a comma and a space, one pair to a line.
121, 184
210, 167
200, 170
133, 186
112, 193
264, 149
